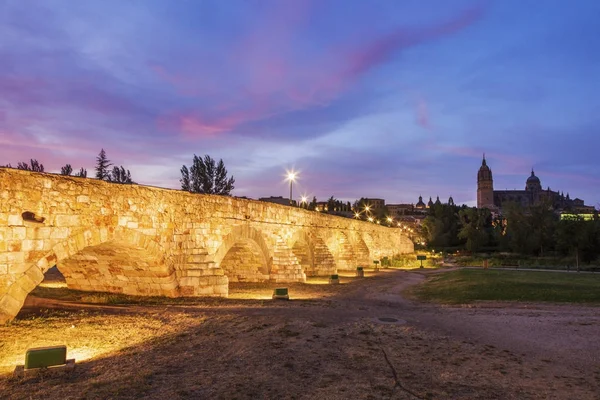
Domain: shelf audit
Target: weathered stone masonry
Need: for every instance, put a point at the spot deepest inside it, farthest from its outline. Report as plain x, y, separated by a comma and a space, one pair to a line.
149, 241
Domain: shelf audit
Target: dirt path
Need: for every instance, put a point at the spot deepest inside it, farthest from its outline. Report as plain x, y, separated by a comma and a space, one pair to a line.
334, 345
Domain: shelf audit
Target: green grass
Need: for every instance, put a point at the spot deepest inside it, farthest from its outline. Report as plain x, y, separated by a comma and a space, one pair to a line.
467, 286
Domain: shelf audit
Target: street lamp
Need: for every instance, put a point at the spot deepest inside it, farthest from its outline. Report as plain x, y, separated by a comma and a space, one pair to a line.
291, 176
389, 219
303, 200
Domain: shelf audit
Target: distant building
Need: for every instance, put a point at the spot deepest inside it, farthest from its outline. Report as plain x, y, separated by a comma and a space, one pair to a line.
395, 210
533, 194
278, 200
321, 206
375, 203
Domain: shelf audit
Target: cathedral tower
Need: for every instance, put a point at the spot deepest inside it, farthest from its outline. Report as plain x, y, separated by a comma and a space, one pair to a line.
485, 186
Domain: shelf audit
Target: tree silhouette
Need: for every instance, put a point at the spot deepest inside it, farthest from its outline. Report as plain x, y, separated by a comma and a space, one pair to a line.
82, 173
33, 166
185, 179
102, 165
206, 176
120, 175
66, 170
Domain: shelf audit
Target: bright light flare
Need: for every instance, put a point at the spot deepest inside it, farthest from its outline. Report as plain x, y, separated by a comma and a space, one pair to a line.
291, 175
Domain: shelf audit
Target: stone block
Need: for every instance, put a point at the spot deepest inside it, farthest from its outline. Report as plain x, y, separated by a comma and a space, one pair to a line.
60, 233
19, 233
15, 220
66, 220
9, 305
132, 225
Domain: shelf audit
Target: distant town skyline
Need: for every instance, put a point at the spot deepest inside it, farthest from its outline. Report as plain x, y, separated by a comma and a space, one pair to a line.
386, 100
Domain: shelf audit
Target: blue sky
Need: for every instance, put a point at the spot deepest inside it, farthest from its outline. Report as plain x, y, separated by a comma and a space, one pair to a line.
386, 99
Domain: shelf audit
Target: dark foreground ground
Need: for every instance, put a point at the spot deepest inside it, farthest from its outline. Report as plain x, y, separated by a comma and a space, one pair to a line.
359, 340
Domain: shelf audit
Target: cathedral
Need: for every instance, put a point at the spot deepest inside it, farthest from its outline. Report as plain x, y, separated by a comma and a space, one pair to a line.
533, 194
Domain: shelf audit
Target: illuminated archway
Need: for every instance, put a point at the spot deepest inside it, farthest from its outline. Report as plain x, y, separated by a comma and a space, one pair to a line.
244, 255
98, 247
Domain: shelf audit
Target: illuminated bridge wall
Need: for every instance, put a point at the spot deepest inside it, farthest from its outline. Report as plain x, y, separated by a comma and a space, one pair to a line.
149, 241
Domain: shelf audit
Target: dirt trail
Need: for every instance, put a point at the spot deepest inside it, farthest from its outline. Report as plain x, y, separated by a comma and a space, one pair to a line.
333, 345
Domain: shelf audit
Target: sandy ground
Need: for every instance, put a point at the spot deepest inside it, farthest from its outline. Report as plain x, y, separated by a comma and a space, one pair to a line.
331, 343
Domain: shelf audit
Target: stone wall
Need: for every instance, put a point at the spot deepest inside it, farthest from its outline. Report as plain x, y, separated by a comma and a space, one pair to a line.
150, 241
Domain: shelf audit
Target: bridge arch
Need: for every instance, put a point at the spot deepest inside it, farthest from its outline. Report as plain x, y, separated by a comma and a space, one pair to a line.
301, 245
244, 255
340, 246
88, 261
362, 251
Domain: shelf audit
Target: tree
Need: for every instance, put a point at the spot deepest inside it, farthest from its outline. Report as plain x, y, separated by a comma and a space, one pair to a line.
35, 166
102, 165
313, 204
120, 175
476, 224
206, 176
185, 179
543, 223
82, 173
66, 170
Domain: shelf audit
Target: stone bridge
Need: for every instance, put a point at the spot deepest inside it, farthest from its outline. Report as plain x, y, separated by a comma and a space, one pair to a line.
150, 241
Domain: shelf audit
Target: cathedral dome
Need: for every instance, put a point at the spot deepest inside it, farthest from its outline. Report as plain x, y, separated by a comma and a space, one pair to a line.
533, 183
533, 178
420, 204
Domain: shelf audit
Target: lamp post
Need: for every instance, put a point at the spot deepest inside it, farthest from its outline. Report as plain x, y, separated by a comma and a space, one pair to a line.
291, 176
303, 201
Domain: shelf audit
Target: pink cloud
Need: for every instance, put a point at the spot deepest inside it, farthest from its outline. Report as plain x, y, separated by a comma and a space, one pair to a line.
272, 81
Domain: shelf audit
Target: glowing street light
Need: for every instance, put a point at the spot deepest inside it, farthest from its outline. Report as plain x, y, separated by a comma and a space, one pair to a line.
303, 200
291, 176
357, 215
370, 219
389, 220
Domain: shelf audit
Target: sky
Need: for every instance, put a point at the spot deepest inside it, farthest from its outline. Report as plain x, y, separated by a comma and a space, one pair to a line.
387, 99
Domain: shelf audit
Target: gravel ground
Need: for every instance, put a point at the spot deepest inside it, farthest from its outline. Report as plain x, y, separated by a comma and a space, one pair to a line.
359, 340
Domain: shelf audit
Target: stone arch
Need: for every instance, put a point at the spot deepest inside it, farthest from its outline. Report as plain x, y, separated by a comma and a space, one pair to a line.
302, 247
70, 250
362, 251
244, 255
340, 246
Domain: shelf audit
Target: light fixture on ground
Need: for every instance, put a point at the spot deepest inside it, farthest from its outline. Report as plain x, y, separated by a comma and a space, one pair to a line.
281, 294
52, 359
360, 272
334, 279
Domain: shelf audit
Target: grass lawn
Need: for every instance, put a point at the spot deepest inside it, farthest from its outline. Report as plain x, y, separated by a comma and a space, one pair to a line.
469, 285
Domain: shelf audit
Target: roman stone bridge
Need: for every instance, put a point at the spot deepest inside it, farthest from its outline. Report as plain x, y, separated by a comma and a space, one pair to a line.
159, 242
